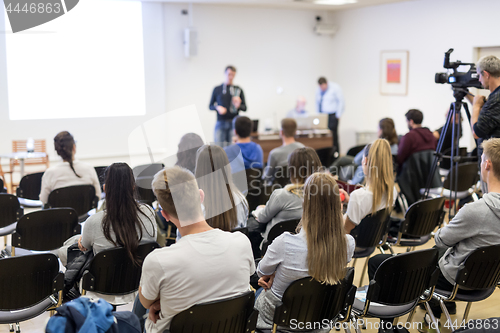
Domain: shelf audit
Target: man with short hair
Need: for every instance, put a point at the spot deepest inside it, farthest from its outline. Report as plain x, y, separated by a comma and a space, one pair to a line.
205, 265
330, 99
227, 99
300, 109
252, 153
417, 139
278, 157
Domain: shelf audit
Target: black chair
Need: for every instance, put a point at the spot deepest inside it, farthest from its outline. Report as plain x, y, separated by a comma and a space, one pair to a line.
243, 230
230, 315
81, 198
45, 230
144, 191
326, 156
111, 272
278, 229
100, 170
254, 177
257, 196
29, 189
398, 285
10, 213
420, 221
355, 150
309, 301
28, 283
2, 186
476, 280
369, 234
282, 176
468, 176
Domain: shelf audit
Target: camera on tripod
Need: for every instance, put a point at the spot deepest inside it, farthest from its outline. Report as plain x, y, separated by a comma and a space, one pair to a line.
469, 79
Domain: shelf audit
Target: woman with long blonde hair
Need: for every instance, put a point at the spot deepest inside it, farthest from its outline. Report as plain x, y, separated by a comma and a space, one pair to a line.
320, 249
379, 192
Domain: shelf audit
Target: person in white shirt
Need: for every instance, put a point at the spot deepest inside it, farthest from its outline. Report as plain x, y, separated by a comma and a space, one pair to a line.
205, 265
69, 173
321, 249
299, 111
379, 192
330, 99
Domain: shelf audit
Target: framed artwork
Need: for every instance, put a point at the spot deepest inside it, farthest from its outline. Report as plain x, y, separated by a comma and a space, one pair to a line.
394, 72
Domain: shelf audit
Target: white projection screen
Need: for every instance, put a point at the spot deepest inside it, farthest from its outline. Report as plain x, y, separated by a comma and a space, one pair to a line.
87, 63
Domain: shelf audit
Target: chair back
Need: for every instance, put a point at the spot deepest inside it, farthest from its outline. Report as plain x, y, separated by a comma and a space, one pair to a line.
100, 170
147, 169
481, 269
282, 176
467, 177
28, 280
10, 209
80, 197
423, 217
243, 230
39, 147
257, 196
253, 177
355, 150
112, 272
307, 300
30, 186
325, 156
373, 229
2, 186
403, 278
46, 230
281, 227
231, 315
145, 193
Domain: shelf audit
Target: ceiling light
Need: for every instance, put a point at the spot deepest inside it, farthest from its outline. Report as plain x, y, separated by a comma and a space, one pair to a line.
334, 2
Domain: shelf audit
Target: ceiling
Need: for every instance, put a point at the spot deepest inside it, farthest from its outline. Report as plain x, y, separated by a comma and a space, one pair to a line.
290, 4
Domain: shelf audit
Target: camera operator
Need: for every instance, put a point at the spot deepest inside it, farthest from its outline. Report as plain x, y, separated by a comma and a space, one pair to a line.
485, 119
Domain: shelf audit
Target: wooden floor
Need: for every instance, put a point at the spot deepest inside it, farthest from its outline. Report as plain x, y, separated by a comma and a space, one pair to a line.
485, 309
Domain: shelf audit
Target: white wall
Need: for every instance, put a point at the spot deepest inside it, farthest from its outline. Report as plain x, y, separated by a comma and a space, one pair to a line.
269, 47
426, 28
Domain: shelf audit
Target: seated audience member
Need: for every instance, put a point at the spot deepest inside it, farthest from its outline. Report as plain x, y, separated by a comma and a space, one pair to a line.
417, 139
286, 203
186, 154
124, 222
379, 191
69, 173
252, 153
213, 174
386, 130
321, 249
299, 111
463, 234
205, 265
278, 157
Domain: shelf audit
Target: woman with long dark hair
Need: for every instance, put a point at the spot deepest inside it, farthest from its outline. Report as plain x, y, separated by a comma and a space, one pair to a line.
124, 222
69, 173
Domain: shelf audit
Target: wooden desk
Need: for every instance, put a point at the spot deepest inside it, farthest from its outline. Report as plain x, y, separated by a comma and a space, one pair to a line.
314, 139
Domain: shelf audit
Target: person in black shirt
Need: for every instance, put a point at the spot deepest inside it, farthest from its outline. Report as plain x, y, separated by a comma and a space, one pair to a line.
227, 99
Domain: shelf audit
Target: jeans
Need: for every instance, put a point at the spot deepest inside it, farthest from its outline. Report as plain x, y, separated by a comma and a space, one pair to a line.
223, 135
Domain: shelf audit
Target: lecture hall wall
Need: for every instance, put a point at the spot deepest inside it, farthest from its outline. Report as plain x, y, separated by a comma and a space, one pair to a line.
274, 48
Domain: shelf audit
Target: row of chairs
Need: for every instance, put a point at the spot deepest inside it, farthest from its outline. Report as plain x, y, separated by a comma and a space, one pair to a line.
29, 283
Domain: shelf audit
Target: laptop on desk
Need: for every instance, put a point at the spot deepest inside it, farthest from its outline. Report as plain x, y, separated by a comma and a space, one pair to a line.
318, 121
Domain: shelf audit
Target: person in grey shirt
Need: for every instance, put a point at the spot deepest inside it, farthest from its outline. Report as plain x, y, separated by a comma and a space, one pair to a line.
278, 157
286, 203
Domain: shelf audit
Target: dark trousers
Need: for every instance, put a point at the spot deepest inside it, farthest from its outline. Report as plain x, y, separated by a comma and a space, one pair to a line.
442, 283
333, 124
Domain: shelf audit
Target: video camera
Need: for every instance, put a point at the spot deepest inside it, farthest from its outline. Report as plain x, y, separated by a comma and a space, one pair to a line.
458, 79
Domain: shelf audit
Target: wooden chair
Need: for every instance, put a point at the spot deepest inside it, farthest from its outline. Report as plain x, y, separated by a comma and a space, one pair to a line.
20, 146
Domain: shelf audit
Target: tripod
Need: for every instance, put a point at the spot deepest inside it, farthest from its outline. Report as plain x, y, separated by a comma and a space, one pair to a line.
454, 119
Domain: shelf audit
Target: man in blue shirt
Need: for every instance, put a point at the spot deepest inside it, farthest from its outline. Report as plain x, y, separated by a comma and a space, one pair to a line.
329, 99
251, 152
